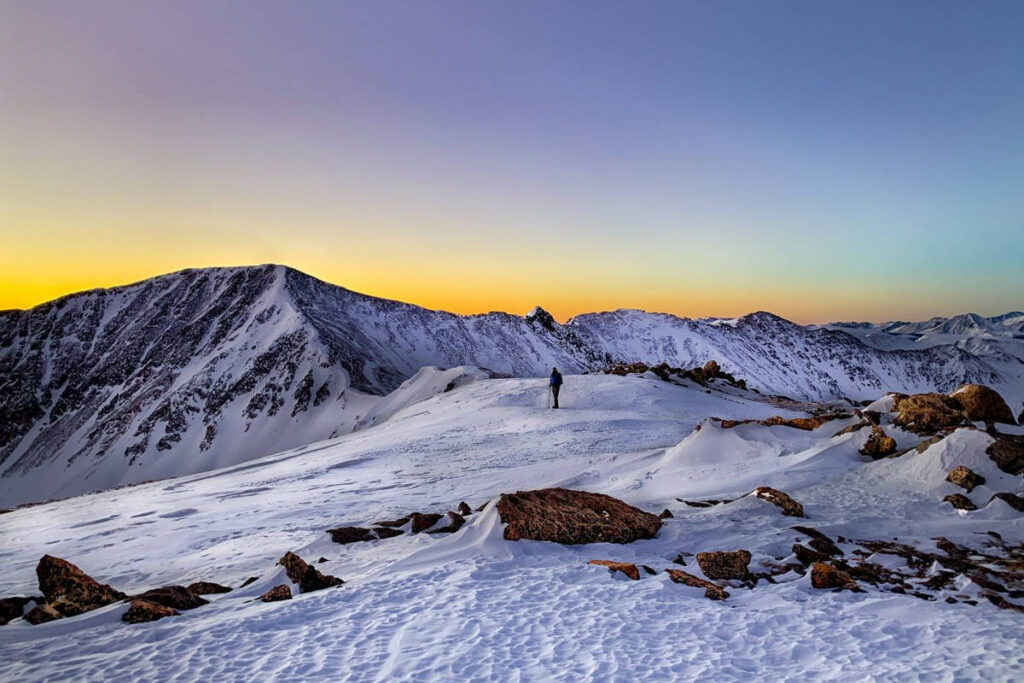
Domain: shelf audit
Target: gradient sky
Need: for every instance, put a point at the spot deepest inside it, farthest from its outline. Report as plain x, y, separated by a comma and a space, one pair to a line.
822, 160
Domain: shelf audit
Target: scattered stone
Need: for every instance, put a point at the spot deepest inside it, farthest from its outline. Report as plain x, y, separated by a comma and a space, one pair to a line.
982, 404
626, 568
807, 557
40, 614
573, 517
650, 571
351, 534
820, 541
422, 522
322, 560
1007, 452
712, 591
282, 592
142, 611
207, 588
251, 579
827, 576
308, 578
666, 514
13, 608
176, 597
878, 444
927, 413
678, 559
464, 509
959, 501
387, 532
1011, 499
724, 564
965, 478
783, 501
852, 428
455, 522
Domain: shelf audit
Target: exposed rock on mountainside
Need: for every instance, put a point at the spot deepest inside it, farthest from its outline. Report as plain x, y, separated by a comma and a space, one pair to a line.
965, 478
781, 500
573, 517
307, 577
142, 611
878, 444
724, 564
981, 403
68, 591
927, 413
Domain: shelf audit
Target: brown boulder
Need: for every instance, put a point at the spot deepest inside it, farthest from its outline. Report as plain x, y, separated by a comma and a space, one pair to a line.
350, 534
878, 444
965, 478
666, 514
807, 557
207, 588
1007, 452
308, 578
711, 369
712, 591
959, 501
724, 564
1011, 499
982, 404
387, 532
12, 608
464, 509
40, 614
783, 501
177, 597
927, 413
826, 576
282, 592
69, 591
573, 517
820, 541
626, 568
422, 522
142, 611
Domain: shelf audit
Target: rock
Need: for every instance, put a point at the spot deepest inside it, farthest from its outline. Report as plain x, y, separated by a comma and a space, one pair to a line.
826, 576
927, 413
1007, 452
852, 428
394, 523
455, 522
13, 608
626, 568
1011, 499
207, 588
982, 404
959, 501
878, 444
282, 592
142, 611
308, 578
711, 369
351, 534
464, 509
69, 591
322, 560
807, 557
385, 532
251, 579
663, 371
964, 478
666, 514
40, 614
573, 517
927, 443
783, 501
723, 564
712, 591
678, 559
176, 597
422, 522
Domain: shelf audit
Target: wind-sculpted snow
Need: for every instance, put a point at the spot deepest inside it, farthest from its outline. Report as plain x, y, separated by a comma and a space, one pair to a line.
207, 368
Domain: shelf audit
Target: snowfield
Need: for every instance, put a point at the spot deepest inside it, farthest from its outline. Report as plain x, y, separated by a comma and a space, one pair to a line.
473, 606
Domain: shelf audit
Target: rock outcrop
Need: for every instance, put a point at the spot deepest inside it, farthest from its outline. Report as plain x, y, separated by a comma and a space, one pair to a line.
959, 501
308, 578
965, 478
1007, 452
723, 564
879, 444
783, 501
927, 413
142, 611
207, 588
68, 591
277, 593
175, 597
826, 576
1011, 499
982, 404
573, 517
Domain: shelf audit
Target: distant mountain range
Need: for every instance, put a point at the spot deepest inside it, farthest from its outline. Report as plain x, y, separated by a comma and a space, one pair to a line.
210, 367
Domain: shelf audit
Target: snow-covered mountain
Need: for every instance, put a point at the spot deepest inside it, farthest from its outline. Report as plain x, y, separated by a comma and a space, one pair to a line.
205, 368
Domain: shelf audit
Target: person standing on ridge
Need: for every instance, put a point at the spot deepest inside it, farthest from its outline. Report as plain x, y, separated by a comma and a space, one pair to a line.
556, 384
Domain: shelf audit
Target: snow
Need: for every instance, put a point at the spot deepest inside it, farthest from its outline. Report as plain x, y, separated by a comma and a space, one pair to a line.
472, 606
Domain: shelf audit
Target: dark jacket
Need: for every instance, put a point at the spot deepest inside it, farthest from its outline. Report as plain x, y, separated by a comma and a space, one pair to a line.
556, 379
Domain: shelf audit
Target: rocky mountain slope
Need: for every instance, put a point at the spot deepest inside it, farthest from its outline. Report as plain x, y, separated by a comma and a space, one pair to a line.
206, 368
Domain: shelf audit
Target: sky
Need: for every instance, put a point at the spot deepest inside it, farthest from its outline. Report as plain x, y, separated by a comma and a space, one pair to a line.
821, 160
